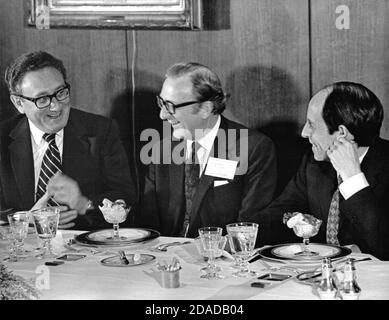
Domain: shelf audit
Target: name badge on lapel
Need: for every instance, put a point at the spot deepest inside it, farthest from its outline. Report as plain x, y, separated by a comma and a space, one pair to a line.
221, 168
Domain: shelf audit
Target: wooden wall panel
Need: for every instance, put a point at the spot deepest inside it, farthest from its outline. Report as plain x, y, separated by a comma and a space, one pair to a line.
359, 54
95, 61
262, 59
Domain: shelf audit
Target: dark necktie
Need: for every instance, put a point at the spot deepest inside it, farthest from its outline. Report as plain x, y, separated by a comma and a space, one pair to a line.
333, 217
51, 164
192, 173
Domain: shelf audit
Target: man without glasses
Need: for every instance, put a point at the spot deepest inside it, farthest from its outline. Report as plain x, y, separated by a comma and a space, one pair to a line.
53, 154
227, 172
344, 179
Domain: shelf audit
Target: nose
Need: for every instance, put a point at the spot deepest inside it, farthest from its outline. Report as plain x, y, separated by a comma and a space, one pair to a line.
54, 104
164, 114
305, 132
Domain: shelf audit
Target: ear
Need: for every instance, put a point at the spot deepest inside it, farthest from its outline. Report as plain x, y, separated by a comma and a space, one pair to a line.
345, 133
206, 109
17, 102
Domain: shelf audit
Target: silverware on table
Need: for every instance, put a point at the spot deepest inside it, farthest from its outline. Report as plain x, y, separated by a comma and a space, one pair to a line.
123, 257
164, 246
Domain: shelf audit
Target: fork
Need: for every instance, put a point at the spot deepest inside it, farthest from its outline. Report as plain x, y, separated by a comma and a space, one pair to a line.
164, 246
280, 268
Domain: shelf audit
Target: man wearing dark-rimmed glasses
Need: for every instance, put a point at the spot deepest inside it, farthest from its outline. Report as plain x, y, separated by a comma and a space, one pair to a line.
225, 172
53, 154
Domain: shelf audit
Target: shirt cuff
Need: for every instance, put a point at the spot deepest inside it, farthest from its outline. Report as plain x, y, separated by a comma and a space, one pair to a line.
352, 185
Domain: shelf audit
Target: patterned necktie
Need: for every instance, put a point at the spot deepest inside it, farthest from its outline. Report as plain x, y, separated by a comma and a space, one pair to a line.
51, 164
192, 173
333, 217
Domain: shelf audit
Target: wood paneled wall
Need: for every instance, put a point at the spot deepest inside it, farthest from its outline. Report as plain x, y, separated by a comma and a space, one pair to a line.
270, 54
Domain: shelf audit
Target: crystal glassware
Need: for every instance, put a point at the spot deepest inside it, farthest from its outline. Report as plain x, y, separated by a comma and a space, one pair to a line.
46, 224
242, 237
18, 229
306, 230
210, 239
115, 213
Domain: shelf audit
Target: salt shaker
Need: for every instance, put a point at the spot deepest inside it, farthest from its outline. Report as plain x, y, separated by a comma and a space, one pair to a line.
350, 289
327, 288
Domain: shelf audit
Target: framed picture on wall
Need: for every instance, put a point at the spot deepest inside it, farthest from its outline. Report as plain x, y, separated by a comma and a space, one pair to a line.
129, 14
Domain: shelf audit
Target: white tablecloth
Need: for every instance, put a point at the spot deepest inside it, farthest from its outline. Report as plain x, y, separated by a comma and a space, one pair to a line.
89, 279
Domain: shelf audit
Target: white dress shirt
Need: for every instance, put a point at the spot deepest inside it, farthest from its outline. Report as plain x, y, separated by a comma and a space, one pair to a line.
206, 143
39, 147
355, 183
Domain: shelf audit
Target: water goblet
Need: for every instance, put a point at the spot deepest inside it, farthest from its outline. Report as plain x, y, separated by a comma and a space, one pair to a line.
210, 238
306, 230
18, 229
204, 254
115, 213
46, 224
242, 237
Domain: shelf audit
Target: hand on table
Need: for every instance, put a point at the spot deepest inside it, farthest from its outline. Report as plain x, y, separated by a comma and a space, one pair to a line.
65, 190
66, 216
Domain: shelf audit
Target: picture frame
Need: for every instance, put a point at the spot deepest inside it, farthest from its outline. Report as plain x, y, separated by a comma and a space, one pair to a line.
127, 14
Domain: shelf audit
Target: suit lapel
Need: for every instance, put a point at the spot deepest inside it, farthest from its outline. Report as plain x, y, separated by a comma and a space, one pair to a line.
176, 189
76, 147
327, 182
22, 162
207, 181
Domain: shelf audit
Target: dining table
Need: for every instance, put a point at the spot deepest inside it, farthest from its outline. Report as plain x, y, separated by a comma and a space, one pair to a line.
89, 278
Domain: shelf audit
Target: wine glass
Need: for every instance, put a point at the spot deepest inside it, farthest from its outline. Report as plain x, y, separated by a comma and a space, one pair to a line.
210, 238
115, 213
306, 230
242, 237
46, 224
18, 229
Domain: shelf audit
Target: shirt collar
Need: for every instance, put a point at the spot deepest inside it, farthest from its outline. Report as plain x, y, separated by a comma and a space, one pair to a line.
37, 134
207, 140
363, 155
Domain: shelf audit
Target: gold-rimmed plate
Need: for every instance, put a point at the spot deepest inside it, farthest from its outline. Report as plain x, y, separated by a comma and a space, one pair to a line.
133, 260
287, 252
127, 236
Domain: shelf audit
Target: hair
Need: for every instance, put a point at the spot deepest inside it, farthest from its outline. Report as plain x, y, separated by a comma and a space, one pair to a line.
206, 84
357, 108
27, 62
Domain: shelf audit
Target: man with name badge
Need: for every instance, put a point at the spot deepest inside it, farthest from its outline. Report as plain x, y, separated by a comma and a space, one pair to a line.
215, 171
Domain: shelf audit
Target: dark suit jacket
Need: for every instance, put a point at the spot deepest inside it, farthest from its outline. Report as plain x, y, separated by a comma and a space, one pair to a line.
92, 155
163, 203
363, 217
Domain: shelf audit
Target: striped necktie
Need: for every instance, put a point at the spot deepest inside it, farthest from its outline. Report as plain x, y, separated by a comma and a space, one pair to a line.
192, 173
333, 217
51, 164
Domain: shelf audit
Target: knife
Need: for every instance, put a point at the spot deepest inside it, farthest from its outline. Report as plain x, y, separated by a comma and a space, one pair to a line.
309, 277
123, 257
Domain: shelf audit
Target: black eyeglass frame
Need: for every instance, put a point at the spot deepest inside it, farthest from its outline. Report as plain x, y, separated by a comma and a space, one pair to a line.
50, 96
163, 103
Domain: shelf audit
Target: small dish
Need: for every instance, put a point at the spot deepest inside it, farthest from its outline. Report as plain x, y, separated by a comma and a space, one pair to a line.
133, 259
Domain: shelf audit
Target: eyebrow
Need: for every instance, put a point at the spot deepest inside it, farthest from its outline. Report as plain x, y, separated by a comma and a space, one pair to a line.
45, 93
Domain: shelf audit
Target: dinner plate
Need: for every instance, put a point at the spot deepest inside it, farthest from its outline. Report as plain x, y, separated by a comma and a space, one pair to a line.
127, 236
133, 259
286, 252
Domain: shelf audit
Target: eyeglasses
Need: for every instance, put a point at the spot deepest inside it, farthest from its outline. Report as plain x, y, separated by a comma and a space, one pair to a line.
171, 107
45, 101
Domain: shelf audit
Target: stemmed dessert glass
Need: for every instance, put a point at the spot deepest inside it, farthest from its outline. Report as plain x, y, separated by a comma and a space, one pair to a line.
210, 238
115, 214
18, 227
306, 231
242, 237
46, 224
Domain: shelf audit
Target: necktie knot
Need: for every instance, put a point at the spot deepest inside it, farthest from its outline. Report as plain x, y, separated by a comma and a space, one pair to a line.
49, 137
